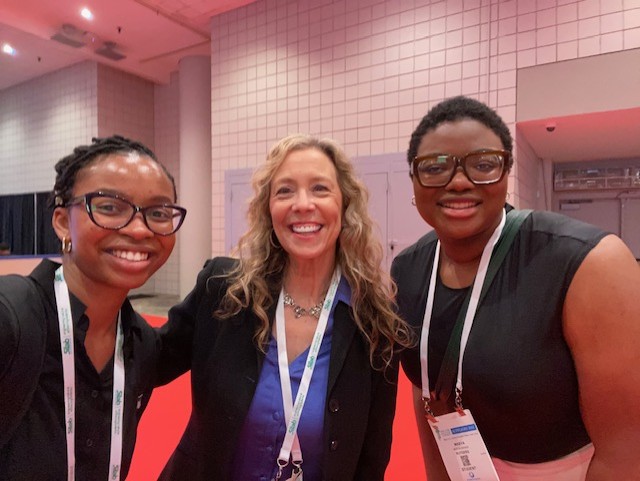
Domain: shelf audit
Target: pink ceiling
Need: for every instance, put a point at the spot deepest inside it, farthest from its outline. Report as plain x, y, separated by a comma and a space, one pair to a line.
610, 135
152, 34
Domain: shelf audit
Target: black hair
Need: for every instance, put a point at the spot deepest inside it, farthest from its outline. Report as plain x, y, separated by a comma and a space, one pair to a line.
68, 167
458, 108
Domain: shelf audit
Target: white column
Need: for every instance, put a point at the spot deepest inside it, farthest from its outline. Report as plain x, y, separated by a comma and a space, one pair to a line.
195, 167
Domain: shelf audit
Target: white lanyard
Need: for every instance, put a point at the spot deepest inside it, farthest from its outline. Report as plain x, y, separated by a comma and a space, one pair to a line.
293, 412
65, 323
469, 316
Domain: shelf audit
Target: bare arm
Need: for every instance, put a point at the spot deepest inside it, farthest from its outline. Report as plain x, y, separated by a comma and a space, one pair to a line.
601, 320
433, 464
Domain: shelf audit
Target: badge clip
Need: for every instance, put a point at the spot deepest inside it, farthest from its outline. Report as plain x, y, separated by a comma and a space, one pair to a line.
458, 403
427, 409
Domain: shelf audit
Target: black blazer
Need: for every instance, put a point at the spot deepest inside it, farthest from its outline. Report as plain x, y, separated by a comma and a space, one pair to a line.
225, 367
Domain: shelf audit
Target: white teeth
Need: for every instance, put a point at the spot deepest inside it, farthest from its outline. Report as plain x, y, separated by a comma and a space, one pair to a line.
305, 229
131, 256
458, 205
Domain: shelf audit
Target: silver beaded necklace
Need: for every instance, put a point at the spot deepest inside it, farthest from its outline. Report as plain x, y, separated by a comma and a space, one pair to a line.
298, 311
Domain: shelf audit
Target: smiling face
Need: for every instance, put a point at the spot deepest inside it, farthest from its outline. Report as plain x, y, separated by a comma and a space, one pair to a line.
102, 259
461, 211
306, 206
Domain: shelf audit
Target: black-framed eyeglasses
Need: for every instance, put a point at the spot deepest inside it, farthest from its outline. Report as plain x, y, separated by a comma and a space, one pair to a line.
112, 212
481, 167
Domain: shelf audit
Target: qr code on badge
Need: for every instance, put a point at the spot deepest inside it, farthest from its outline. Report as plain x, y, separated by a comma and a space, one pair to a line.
465, 460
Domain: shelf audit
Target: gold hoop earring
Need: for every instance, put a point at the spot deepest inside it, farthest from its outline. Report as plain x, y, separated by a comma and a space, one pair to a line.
413, 200
508, 196
66, 245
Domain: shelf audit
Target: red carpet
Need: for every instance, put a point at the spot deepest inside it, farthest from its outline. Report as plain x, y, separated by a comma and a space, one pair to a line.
168, 412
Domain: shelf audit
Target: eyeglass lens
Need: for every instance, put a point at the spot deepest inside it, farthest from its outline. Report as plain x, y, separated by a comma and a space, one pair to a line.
114, 213
480, 168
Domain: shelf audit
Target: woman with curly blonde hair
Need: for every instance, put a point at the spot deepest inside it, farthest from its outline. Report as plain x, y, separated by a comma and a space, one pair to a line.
291, 346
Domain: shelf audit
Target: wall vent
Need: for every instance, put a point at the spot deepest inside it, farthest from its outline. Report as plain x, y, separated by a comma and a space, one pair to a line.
109, 51
71, 36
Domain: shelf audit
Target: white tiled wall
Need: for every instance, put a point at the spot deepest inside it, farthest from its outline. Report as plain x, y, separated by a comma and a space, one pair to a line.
365, 71
361, 71
41, 121
528, 179
167, 149
44, 119
125, 105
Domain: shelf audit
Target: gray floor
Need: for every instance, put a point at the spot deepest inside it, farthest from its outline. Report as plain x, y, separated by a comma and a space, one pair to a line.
157, 305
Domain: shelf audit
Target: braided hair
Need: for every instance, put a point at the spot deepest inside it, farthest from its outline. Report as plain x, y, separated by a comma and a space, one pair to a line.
68, 167
458, 108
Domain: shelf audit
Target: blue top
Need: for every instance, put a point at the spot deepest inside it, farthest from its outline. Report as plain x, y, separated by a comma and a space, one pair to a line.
264, 428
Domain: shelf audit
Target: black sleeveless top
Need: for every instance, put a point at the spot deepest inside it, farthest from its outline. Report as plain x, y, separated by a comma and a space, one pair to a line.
519, 378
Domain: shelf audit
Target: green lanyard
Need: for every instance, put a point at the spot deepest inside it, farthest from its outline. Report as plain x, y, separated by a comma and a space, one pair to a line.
449, 367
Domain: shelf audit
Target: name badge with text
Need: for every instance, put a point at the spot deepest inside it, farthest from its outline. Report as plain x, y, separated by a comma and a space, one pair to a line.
462, 448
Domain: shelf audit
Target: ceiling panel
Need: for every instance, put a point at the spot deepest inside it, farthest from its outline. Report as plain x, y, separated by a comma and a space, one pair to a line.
152, 34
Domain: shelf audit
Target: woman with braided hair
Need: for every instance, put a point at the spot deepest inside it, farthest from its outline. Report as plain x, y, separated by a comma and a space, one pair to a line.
75, 357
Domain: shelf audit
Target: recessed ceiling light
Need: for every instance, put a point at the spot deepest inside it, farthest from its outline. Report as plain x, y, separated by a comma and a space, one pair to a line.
86, 13
8, 49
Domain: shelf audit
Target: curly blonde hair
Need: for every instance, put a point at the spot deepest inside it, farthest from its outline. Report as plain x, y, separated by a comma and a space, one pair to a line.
257, 280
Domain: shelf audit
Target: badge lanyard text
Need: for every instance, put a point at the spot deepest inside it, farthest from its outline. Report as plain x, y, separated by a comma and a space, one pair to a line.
462, 449
65, 323
292, 412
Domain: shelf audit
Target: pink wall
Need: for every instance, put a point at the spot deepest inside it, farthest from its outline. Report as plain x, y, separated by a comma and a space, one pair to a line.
365, 71
125, 105
22, 266
41, 121
167, 148
361, 71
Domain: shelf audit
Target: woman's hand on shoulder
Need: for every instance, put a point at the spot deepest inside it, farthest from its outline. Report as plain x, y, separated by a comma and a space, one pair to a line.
601, 320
